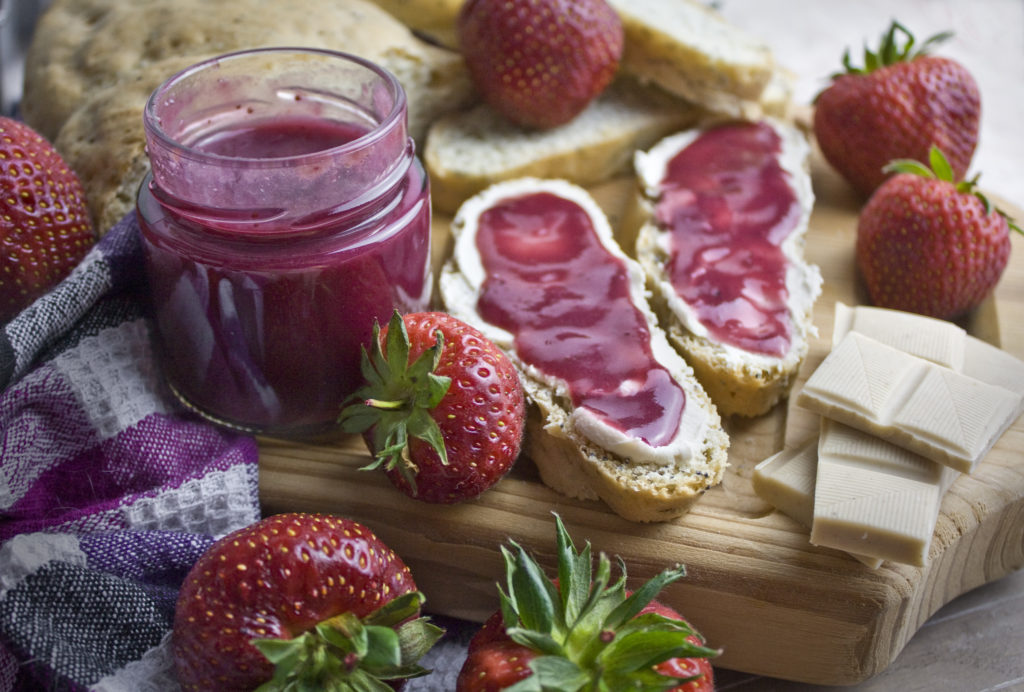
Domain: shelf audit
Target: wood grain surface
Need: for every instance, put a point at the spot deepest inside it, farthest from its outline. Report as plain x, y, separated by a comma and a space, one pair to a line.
755, 586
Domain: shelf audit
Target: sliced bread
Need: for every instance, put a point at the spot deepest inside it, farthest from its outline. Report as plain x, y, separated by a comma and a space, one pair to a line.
735, 293
690, 50
546, 289
468, 151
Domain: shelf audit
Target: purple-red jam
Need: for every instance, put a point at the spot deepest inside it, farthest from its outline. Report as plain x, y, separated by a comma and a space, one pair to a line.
729, 206
553, 285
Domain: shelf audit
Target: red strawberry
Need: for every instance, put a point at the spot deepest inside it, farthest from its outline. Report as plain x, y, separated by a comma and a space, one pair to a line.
45, 228
442, 410
897, 106
930, 245
698, 668
540, 62
581, 632
319, 597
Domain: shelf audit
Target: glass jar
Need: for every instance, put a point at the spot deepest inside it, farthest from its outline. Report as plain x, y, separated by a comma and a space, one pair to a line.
284, 213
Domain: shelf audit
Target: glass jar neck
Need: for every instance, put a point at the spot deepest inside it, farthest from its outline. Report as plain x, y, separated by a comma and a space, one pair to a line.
277, 141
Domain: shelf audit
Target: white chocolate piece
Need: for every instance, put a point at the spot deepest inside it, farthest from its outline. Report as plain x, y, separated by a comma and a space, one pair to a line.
939, 341
786, 481
930, 338
944, 415
874, 498
863, 494
993, 365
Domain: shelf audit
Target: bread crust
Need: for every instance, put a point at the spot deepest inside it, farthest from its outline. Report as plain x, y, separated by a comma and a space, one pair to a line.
569, 461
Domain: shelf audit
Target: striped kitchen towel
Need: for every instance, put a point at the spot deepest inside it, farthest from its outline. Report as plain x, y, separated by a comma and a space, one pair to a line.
109, 491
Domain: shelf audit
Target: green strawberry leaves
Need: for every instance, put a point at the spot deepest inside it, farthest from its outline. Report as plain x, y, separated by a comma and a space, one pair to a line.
892, 50
346, 654
938, 168
590, 633
396, 401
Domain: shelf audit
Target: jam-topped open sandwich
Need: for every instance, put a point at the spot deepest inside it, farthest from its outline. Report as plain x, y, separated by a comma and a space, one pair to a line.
725, 211
618, 414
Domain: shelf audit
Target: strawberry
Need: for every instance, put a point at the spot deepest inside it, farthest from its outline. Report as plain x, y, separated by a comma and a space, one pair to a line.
540, 62
929, 244
45, 228
581, 632
695, 667
442, 409
897, 106
314, 601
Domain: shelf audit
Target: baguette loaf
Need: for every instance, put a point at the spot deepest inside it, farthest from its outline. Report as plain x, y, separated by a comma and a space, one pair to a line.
93, 63
577, 451
742, 371
470, 150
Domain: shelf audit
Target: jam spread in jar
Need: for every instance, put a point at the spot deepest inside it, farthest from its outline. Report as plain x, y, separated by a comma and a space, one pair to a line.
285, 212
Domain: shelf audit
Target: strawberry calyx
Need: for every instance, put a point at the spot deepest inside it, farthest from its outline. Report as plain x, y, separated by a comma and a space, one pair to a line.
898, 45
589, 632
396, 400
938, 168
348, 654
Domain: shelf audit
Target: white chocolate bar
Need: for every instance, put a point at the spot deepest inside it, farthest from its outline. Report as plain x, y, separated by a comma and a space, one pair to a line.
786, 481
933, 339
939, 341
864, 494
874, 498
944, 415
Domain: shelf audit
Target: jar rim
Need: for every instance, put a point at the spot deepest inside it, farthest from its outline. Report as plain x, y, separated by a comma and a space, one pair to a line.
380, 130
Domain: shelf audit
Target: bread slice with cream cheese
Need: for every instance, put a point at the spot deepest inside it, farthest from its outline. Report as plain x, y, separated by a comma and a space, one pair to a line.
742, 378
578, 451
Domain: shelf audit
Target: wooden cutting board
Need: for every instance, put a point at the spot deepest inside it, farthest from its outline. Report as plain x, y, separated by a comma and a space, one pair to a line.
755, 585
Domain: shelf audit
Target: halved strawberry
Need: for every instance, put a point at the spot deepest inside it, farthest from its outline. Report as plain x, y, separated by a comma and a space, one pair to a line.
582, 632
313, 601
442, 410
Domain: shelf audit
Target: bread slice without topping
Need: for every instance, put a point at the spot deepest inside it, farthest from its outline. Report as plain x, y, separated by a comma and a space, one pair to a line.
575, 455
690, 50
740, 382
467, 151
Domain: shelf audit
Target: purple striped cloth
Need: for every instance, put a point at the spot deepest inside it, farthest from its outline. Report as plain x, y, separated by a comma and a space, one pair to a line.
109, 491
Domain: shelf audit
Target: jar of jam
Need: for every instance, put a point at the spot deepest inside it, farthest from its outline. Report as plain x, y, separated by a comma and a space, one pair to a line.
285, 212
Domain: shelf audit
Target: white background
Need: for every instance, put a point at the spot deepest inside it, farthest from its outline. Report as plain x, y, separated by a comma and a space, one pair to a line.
809, 37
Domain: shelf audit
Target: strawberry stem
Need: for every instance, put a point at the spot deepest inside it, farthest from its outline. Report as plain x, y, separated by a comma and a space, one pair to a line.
382, 404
